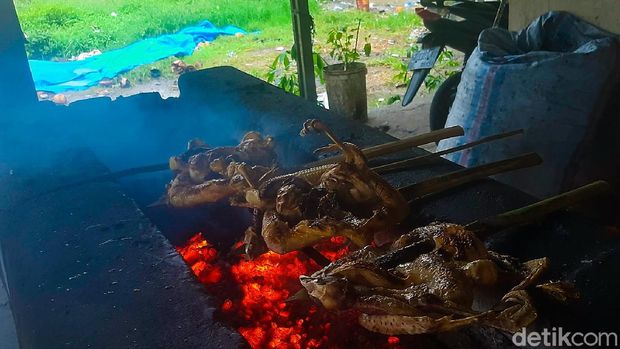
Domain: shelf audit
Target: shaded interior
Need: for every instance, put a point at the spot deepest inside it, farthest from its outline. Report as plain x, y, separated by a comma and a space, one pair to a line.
54, 236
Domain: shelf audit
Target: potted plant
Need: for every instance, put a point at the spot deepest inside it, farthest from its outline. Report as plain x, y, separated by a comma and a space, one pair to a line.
345, 81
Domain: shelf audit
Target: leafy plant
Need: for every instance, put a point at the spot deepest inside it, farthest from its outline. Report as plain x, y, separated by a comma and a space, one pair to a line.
319, 67
343, 47
432, 82
392, 99
380, 102
402, 67
445, 66
317, 61
283, 72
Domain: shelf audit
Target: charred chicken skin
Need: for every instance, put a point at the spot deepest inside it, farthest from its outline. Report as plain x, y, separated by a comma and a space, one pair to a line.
458, 283
204, 174
350, 200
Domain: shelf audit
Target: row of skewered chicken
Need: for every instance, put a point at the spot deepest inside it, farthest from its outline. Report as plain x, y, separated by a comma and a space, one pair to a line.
295, 210
434, 278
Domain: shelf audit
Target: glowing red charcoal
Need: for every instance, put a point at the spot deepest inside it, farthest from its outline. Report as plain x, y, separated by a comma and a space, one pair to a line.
334, 248
260, 311
200, 255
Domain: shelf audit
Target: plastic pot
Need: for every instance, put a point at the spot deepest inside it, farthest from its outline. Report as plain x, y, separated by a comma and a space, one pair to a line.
346, 90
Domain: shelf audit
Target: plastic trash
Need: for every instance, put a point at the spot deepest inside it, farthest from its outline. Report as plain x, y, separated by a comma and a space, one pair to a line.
81, 74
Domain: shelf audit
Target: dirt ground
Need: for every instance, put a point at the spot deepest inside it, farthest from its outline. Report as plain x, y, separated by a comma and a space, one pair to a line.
402, 122
165, 87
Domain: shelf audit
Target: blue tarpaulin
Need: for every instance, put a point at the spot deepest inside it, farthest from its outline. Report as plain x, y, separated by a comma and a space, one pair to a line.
79, 75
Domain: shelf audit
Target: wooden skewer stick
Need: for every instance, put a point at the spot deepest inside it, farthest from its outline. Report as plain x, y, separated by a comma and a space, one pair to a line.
316, 256
404, 254
440, 184
399, 145
314, 173
538, 210
370, 152
124, 173
106, 177
454, 179
408, 163
445, 182
487, 226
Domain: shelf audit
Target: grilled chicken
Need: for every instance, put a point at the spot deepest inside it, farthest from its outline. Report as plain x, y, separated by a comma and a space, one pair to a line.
435, 290
204, 174
350, 200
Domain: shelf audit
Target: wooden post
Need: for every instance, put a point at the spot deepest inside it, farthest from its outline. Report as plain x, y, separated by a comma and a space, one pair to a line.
303, 44
16, 85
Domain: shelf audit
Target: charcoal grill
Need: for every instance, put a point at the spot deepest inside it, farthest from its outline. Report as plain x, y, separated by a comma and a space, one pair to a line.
93, 266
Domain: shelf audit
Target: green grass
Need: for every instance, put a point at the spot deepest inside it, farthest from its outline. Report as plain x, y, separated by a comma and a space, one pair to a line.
59, 29
64, 28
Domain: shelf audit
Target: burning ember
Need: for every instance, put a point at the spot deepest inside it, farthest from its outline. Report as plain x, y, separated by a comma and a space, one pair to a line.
253, 298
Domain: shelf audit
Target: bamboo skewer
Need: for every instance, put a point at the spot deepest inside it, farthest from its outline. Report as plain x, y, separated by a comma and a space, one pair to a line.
316, 171
399, 145
448, 181
373, 151
407, 253
370, 152
316, 256
403, 164
454, 179
538, 210
487, 226
440, 184
120, 174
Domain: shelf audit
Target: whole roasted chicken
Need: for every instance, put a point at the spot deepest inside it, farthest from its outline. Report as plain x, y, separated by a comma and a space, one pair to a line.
204, 174
349, 200
435, 278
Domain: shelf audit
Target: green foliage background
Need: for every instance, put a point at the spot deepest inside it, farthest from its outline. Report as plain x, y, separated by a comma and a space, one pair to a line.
64, 28
69, 27
60, 29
